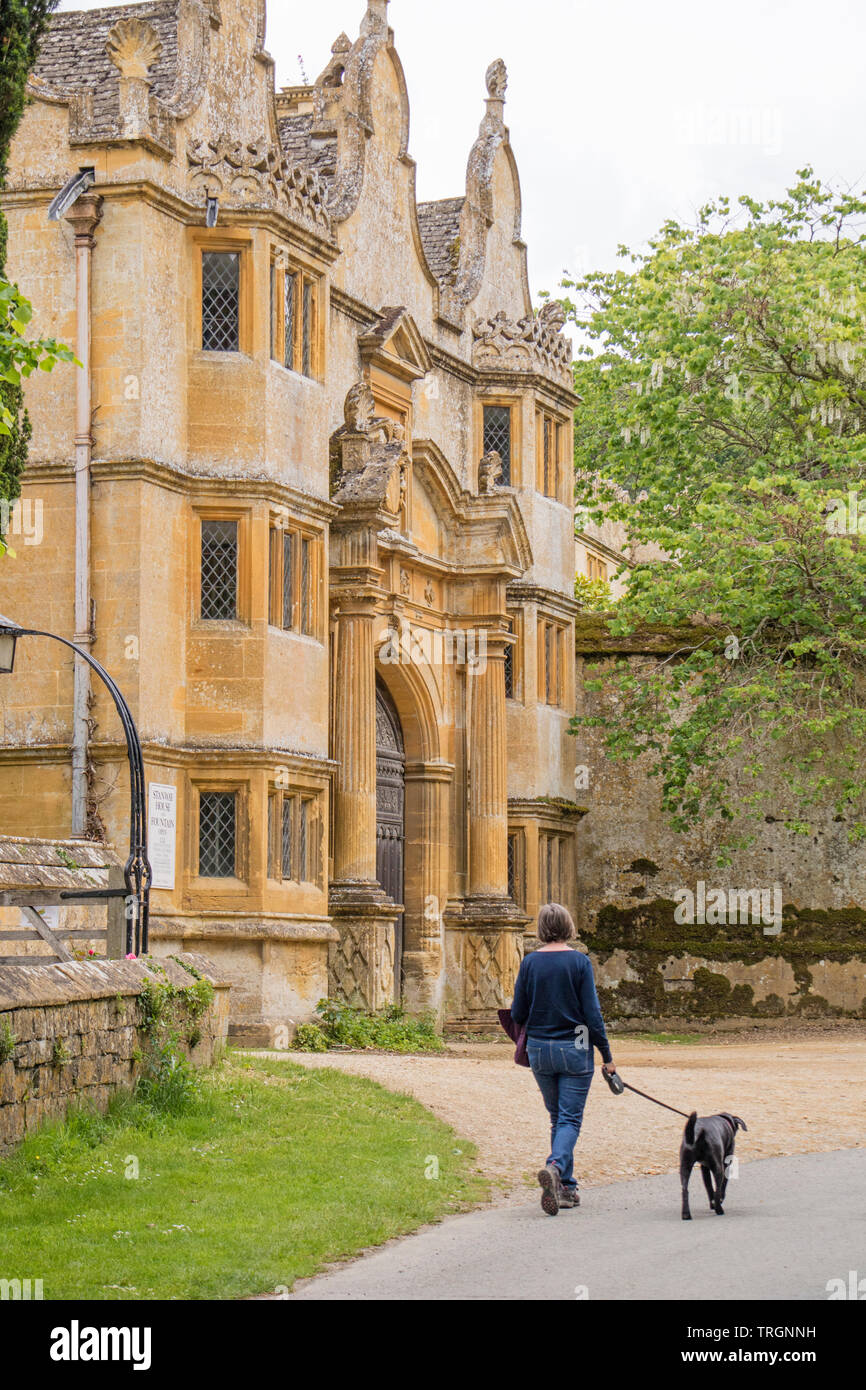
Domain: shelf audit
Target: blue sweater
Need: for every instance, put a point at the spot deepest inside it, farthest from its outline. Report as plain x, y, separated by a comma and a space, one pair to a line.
555, 994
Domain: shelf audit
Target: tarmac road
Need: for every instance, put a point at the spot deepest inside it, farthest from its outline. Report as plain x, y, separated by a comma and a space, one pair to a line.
790, 1226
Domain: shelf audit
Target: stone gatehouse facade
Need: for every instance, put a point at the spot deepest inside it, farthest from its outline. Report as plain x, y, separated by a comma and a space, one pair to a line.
323, 514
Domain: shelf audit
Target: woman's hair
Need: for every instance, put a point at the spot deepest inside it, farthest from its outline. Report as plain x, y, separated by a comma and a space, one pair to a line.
555, 924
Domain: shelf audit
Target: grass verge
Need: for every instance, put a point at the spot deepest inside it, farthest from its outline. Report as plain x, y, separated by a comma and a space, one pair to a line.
269, 1172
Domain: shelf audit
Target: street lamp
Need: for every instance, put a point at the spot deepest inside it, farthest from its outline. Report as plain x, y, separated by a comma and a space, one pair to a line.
137, 872
8, 638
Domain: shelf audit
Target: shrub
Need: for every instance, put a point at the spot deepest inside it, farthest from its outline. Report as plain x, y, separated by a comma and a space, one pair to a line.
310, 1038
390, 1030
8, 1041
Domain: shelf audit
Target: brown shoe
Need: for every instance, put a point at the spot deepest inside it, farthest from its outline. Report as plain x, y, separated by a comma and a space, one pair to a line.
551, 1190
570, 1197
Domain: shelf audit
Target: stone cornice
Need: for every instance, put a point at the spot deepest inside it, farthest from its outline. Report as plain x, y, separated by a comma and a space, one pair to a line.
592, 544
556, 809
520, 594
178, 755
191, 214
353, 308
510, 382
175, 479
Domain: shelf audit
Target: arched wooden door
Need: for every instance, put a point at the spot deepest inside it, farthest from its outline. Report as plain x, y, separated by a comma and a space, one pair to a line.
391, 815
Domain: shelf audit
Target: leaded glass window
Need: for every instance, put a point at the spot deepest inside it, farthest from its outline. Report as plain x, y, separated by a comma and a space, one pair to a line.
497, 437
220, 301
217, 843
219, 571
287, 839
291, 282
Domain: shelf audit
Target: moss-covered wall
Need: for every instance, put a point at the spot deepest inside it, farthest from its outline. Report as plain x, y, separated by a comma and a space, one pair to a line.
651, 968
632, 865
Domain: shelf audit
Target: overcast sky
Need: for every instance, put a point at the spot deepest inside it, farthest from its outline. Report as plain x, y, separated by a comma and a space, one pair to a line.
622, 112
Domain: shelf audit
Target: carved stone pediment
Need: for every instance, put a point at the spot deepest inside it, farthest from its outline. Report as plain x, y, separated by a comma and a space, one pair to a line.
395, 344
534, 344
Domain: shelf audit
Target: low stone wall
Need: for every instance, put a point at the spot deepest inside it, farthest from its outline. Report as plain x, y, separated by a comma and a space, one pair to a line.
75, 1034
650, 969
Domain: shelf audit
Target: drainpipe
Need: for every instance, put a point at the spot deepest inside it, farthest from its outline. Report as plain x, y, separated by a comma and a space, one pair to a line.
84, 217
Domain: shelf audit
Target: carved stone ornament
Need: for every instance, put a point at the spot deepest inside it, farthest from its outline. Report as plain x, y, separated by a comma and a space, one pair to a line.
497, 80
489, 473
359, 414
133, 46
333, 74
533, 344
257, 174
369, 462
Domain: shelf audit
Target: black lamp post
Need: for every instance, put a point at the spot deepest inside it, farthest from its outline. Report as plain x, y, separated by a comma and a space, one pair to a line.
137, 872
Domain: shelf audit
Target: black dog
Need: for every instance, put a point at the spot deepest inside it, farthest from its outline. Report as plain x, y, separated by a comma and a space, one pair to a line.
710, 1143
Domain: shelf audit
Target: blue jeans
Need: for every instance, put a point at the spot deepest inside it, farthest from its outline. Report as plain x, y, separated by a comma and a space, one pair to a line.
564, 1074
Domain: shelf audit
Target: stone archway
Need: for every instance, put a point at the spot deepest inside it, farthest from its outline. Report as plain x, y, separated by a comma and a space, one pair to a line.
391, 816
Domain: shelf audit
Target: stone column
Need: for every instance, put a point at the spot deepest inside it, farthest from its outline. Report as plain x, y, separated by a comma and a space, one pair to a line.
428, 793
355, 745
488, 780
362, 964
484, 932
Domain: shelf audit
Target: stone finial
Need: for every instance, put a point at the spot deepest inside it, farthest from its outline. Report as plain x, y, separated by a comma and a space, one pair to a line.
359, 409
552, 317
133, 46
332, 76
376, 18
497, 80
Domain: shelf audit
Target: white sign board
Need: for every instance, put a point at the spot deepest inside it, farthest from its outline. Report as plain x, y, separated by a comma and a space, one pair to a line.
162, 834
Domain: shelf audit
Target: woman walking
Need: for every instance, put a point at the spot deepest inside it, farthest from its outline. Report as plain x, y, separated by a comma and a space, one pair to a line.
555, 999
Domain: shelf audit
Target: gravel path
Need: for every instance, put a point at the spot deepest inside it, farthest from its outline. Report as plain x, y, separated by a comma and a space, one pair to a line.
797, 1095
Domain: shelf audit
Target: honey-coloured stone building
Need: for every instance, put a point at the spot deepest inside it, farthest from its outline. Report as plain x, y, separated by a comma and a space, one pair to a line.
309, 499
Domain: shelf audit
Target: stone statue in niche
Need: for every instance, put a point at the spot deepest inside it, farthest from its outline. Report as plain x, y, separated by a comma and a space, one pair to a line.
489, 473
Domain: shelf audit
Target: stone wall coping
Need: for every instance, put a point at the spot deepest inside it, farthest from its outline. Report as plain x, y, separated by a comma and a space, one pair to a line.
38, 986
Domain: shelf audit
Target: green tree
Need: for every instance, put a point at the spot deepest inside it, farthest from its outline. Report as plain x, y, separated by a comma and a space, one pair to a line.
22, 25
723, 386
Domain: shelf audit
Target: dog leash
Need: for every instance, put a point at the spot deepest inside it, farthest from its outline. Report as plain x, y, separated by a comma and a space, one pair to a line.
617, 1085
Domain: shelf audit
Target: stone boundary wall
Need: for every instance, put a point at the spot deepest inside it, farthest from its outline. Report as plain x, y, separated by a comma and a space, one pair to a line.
632, 869
649, 969
74, 1034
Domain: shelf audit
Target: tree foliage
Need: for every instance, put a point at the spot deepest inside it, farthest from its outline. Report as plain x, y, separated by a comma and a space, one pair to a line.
723, 385
22, 25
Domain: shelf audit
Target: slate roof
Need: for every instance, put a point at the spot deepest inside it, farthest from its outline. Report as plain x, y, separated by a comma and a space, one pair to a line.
295, 138
439, 224
73, 56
